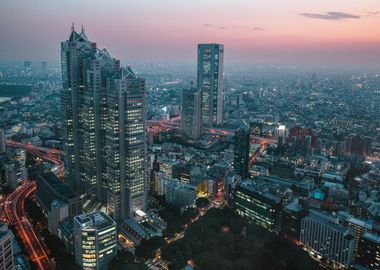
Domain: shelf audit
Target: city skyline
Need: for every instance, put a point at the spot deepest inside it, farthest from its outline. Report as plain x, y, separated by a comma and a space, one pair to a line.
254, 31
190, 135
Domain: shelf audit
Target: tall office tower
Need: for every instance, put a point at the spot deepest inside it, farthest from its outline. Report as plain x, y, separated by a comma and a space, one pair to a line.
126, 145
76, 55
190, 115
3, 146
210, 82
94, 118
6, 252
241, 152
104, 126
94, 240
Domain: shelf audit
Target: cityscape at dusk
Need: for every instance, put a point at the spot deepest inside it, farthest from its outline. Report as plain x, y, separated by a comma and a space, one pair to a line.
190, 135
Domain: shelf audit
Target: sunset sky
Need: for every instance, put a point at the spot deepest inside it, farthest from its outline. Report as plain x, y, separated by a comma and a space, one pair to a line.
257, 31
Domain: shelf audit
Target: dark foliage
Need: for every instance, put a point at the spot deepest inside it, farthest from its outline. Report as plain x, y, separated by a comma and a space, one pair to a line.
63, 259
147, 248
223, 240
33, 211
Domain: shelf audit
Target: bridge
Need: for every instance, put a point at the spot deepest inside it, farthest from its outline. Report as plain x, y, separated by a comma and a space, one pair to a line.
50, 155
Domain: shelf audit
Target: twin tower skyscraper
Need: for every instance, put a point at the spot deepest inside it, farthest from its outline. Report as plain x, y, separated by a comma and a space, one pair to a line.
104, 114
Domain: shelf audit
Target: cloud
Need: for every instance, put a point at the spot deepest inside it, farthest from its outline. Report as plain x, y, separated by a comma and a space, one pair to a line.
242, 28
258, 29
221, 27
372, 13
331, 15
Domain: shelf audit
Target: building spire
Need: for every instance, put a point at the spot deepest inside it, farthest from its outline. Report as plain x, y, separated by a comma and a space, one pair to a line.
72, 27
82, 29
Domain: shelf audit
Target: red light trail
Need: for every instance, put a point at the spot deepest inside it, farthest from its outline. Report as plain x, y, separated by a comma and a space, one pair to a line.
15, 213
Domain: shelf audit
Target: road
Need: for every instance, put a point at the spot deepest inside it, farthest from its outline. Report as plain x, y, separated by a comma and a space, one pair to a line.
16, 215
50, 155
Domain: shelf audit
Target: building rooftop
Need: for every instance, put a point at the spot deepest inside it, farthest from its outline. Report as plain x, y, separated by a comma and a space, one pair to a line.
251, 186
372, 237
329, 220
95, 220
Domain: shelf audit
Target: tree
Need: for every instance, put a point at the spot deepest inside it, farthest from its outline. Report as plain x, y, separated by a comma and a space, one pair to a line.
147, 247
202, 202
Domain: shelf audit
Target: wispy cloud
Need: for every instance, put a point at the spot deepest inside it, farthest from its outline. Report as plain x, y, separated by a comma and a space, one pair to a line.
258, 29
331, 15
372, 13
242, 28
221, 27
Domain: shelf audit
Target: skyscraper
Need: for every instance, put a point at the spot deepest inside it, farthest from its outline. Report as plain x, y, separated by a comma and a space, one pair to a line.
76, 55
126, 145
241, 152
190, 115
104, 126
3, 146
210, 82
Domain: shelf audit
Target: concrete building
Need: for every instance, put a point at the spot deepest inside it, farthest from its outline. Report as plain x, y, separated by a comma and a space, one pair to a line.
324, 238
3, 146
263, 209
50, 189
76, 54
59, 211
359, 227
95, 240
6, 252
368, 254
191, 113
241, 152
179, 194
210, 82
103, 107
126, 164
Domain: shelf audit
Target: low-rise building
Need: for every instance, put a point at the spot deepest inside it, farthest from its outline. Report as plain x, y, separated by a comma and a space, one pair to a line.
261, 208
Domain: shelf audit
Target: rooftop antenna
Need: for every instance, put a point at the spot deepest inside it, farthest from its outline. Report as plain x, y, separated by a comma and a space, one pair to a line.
72, 27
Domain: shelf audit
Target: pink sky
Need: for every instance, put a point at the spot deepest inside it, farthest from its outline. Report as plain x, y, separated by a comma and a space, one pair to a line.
262, 31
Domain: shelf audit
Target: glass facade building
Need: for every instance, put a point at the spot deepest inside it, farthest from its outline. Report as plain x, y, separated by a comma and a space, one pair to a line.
210, 82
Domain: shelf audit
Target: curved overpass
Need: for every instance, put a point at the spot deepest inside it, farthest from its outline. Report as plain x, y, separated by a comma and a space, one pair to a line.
16, 215
50, 155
